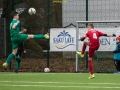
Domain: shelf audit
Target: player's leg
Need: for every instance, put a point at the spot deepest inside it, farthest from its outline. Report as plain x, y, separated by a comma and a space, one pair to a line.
85, 44
39, 36
117, 66
9, 58
90, 64
115, 63
16, 65
20, 57
19, 64
23, 37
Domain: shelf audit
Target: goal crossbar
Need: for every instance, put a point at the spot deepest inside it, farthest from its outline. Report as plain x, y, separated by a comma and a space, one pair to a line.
110, 21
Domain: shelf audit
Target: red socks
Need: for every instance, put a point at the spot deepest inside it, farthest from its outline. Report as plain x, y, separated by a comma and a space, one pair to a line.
83, 48
90, 65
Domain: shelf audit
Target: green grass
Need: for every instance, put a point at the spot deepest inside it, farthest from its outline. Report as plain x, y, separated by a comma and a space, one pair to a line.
58, 81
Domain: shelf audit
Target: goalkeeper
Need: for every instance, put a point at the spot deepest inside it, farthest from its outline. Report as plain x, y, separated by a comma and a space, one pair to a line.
117, 55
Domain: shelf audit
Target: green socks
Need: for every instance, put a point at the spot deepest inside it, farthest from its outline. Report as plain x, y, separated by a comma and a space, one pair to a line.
10, 57
40, 36
16, 65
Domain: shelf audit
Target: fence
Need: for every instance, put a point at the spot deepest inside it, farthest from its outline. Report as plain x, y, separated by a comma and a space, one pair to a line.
57, 14
2, 37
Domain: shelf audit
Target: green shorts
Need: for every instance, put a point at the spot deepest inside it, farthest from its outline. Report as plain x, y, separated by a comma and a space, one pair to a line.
18, 38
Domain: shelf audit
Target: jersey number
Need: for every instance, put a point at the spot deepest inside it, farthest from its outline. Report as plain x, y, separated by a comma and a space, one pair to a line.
94, 35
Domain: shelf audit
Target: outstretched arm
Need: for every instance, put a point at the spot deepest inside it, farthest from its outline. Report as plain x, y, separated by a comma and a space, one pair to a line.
110, 35
107, 35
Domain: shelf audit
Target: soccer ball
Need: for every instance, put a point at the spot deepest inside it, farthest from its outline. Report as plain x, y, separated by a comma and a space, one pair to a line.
31, 11
46, 70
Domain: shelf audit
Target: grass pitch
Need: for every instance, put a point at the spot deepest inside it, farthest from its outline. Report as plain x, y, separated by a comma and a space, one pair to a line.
58, 81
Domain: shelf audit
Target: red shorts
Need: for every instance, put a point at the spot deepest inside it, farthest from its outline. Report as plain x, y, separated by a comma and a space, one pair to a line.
91, 51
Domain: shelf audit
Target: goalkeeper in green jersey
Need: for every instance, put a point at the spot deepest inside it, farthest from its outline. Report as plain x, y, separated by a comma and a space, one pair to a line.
17, 37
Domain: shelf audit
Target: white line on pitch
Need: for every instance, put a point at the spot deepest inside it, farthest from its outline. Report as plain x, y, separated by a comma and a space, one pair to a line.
60, 83
58, 86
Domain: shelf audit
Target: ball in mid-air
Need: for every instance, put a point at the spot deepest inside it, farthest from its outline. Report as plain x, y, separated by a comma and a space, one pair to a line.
46, 70
32, 11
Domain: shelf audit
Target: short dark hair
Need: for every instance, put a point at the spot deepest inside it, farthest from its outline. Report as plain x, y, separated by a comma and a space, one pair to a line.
14, 13
91, 25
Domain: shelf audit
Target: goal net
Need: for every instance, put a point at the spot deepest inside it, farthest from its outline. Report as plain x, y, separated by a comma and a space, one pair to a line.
103, 57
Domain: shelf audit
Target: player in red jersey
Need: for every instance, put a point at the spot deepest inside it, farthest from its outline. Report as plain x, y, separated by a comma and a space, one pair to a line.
93, 44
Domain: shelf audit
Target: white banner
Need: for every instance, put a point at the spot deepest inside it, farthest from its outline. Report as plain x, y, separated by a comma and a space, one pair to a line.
63, 39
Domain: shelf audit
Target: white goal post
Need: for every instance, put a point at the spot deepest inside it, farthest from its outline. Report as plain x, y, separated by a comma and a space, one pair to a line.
111, 26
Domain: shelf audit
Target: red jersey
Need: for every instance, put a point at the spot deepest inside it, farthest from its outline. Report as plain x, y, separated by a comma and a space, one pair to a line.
93, 36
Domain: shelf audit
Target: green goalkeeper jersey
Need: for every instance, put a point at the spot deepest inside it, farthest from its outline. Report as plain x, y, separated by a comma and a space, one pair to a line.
15, 30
